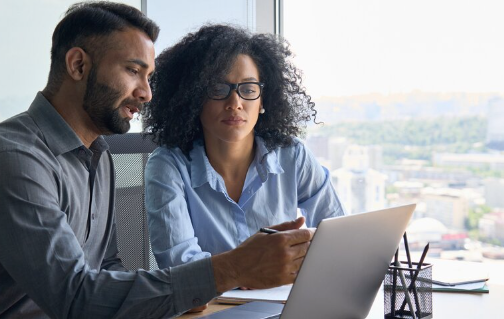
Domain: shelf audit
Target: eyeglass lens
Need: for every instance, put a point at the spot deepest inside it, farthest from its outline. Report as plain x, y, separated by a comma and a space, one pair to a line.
247, 91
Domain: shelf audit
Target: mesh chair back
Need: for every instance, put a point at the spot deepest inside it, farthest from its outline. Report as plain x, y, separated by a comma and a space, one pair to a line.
129, 153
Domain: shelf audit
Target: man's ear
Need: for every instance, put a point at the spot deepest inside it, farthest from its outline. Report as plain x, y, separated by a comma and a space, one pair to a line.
77, 62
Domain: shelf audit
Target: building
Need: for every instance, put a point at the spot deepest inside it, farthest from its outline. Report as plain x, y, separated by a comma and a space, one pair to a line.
421, 172
491, 226
337, 148
483, 161
359, 187
449, 206
318, 145
425, 230
494, 192
495, 129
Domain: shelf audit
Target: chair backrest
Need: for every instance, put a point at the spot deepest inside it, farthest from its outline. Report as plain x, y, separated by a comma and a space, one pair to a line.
130, 153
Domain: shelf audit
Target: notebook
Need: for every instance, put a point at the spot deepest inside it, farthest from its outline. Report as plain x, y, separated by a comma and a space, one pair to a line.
342, 271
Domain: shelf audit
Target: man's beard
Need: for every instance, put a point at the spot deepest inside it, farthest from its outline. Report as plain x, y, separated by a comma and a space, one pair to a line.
99, 101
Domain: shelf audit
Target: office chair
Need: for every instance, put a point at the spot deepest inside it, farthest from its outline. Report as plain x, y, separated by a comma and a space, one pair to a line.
129, 153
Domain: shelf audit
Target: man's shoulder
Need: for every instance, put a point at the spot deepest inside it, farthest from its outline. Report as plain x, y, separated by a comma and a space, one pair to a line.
21, 140
19, 133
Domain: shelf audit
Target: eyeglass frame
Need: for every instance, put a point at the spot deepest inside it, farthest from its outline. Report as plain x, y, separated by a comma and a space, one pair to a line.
235, 87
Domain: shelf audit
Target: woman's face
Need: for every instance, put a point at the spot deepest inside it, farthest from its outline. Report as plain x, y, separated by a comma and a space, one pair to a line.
232, 120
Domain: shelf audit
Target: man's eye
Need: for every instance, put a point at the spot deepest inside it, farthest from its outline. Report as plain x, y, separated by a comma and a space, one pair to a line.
133, 71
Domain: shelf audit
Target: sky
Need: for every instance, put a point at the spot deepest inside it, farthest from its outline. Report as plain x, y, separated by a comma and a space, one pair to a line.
397, 46
344, 47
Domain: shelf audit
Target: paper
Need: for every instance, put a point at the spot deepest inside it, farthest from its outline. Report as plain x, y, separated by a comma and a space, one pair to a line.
237, 296
478, 287
449, 273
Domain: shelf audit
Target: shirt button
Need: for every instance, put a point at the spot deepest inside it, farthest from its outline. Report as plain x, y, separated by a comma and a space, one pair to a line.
196, 301
92, 216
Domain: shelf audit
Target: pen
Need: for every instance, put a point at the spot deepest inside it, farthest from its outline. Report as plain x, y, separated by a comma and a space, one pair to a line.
394, 283
268, 230
410, 266
419, 267
406, 294
406, 247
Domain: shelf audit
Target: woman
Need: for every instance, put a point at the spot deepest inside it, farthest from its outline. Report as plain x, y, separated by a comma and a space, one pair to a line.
226, 110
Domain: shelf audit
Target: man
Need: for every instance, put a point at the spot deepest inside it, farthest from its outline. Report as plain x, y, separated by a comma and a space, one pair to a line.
58, 253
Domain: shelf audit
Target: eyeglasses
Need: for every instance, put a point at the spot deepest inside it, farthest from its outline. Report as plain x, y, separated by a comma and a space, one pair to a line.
246, 90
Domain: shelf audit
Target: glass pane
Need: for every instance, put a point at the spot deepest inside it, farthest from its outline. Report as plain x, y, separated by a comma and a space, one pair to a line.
26, 47
177, 18
412, 99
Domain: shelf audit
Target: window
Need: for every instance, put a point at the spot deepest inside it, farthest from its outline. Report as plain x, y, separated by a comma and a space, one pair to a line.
27, 28
412, 97
26, 47
177, 18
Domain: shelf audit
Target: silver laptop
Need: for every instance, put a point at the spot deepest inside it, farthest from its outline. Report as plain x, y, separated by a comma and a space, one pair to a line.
342, 271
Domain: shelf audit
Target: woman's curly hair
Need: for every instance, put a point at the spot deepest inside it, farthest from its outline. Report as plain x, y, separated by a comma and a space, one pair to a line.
184, 71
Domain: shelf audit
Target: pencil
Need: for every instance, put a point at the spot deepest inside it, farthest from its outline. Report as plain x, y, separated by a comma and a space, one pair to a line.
410, 265
394, 283
406, 293
268, 230
419, 266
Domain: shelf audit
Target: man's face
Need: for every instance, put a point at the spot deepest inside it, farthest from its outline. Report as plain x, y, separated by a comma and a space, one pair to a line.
118, 86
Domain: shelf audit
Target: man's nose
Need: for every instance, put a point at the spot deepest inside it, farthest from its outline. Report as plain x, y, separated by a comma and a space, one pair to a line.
143, 92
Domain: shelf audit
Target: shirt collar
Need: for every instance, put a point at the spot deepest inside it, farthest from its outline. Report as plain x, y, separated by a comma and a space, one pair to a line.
266, 161
202, 172
59, 136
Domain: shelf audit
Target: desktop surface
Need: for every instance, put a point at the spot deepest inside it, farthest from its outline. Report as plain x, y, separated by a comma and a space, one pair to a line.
445, 305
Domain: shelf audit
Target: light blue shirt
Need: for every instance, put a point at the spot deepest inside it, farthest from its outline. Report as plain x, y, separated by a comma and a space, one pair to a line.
191, 215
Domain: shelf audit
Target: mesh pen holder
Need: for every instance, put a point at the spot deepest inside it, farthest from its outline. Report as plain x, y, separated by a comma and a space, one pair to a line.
404, 299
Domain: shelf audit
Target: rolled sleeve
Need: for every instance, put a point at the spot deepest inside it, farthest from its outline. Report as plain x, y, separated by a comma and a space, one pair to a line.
194, 284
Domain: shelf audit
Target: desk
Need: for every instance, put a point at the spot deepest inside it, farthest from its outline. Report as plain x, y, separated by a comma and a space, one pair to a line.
445, 305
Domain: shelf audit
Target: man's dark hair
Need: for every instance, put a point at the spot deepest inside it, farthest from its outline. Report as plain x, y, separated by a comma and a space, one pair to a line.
85, 25
184, 71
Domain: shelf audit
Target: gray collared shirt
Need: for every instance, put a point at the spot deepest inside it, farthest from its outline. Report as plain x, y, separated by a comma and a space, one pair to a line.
58, 252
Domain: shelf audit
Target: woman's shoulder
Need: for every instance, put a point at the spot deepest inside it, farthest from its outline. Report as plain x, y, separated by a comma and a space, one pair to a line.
288, 155
296, 147
163, 154
163, 151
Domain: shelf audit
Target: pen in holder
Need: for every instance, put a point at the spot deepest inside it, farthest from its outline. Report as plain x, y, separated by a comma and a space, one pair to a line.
408, 287
408, 291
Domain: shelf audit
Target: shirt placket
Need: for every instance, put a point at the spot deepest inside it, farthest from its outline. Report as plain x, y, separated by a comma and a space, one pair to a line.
239, 212
90, 160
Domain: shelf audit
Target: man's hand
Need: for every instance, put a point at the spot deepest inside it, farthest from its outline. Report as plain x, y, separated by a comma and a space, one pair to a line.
198, 309
264, 260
